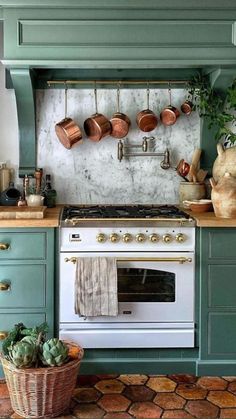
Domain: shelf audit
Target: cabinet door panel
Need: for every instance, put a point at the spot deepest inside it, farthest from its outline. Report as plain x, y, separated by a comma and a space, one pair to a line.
222, 285
27, 286
221, 335
222, 244
23, 246
7, 321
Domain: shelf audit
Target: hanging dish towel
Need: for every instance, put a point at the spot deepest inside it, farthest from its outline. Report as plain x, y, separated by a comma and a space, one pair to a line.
96, 287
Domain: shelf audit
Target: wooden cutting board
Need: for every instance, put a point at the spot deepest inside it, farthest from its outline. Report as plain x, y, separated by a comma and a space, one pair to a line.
15, 213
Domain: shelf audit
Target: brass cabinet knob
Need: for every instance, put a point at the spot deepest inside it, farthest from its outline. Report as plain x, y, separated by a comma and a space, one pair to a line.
127, 238
4, 286
101, 238
180, 238
140, 238
4, 246
154, 238
167, 238
3, 335
114, 238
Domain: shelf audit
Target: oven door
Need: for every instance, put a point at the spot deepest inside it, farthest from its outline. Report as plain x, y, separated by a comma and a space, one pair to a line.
152, 288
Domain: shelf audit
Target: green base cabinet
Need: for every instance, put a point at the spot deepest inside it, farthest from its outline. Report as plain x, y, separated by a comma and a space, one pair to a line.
26, 278
218, 300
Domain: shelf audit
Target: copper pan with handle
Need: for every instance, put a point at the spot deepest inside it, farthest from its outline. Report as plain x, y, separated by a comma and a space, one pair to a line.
97, 126
67, 131
120, 122
169, 114
146, 119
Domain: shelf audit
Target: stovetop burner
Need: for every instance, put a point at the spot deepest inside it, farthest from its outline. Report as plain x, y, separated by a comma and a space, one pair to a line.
123, 212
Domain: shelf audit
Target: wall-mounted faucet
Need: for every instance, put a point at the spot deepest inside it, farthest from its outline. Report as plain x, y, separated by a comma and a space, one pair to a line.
123, 151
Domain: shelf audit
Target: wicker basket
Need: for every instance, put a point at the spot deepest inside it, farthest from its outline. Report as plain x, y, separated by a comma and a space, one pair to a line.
41, 392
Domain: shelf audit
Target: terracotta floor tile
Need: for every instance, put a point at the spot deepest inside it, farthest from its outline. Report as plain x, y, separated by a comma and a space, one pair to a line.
212, 383
86, 395
174, 414
228, 413
16, 416
169, 401
229, 378
139, 393
106, 376
183, 378
88, 411
161, 384
202, 409
133, 379
222, 398
232, 387
191, 391
5, 408
87, 380
114, 403
4, 393
118, 415
110, 386
147, 410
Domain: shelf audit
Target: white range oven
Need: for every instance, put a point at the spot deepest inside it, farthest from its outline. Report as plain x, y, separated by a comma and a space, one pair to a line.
155, 267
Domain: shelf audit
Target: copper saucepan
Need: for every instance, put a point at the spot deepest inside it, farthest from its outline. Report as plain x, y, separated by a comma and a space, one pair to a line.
170, 114
97, 126
68, 132
146, 119
187, 106
120, 122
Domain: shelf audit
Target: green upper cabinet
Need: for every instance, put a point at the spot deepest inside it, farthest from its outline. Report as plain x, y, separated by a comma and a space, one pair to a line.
112, 34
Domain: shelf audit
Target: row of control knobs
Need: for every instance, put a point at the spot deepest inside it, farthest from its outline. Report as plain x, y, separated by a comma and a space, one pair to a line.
140, 238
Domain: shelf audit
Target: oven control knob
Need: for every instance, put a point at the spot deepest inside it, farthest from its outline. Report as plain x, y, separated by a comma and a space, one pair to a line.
167, 238
140, 238
101, 238
114, 238
127, 238
154, 238
180, 238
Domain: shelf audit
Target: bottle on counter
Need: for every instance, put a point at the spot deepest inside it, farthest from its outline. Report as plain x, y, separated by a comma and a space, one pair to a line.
49, 193
5, 177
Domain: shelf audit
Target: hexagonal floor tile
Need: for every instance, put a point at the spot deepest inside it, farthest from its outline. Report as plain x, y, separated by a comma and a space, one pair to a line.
228, 413
191, 392
4, 393
232, 387
5, 408
117, 415
114, 403
147, 410
86, 380
212, 383
110, 386
229, 378
222, 398
88, 411
134, 379
161, 384
169, 401
174, 414
183, 378
139, 393
86, 395
106, 376
202, 409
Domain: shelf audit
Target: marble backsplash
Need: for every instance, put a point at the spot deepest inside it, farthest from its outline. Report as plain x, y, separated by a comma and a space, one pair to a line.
90, 172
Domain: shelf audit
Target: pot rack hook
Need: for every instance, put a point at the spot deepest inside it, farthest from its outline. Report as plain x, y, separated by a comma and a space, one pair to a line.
169, 91
66, 89
95, 96
118, 97
148, 93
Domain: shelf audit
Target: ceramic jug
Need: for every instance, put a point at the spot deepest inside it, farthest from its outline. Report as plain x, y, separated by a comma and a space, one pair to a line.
225, 162
223, 196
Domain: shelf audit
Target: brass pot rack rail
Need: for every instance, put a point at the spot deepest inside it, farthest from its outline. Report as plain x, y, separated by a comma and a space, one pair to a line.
144, 83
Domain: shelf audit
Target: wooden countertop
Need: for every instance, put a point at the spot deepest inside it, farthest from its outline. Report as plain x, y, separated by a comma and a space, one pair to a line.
51, 219
208, 219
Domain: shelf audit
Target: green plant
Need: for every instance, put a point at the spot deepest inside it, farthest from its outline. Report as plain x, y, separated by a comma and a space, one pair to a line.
217, 108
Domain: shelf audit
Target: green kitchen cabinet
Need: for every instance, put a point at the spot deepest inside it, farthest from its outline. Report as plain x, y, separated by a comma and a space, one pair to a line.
27, 261
217, 297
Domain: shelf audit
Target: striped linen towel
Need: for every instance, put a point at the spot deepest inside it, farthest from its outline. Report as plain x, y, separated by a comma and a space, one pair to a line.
96, 287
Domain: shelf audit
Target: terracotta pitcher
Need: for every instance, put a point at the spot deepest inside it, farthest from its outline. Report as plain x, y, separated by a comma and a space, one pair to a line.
225, 162
223, 196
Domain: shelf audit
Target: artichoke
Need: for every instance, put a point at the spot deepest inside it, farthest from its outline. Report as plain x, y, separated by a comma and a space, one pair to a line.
23, 354
30, 339
54, 352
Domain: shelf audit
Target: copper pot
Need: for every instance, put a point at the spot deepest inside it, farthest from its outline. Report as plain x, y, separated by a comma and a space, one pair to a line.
170, 114
187, 107
146, 119
68, 132
120, 122
97, 126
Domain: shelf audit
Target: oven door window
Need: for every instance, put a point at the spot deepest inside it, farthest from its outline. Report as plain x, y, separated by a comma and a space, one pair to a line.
145, 285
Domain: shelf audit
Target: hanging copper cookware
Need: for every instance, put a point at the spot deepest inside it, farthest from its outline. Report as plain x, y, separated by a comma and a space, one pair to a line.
170, 114
120, 122
187, 106
68, 132
146, 119
97, 126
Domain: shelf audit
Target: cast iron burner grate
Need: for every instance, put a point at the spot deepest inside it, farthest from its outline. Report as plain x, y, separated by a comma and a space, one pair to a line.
123, 211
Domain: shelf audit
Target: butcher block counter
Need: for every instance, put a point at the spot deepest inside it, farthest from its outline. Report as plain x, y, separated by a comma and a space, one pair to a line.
51, 219
208, 219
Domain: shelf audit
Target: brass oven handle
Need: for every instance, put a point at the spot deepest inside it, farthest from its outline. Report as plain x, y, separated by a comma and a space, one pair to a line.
3, 335
4, 286
176, 259
4, 246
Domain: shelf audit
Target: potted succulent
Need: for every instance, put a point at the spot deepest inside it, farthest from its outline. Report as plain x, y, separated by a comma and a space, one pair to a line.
40, 374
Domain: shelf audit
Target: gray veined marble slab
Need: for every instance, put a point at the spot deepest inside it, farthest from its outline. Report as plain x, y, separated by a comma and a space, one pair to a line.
90, 172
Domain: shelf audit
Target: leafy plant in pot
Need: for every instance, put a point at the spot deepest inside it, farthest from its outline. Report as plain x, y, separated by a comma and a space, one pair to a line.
40, 374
